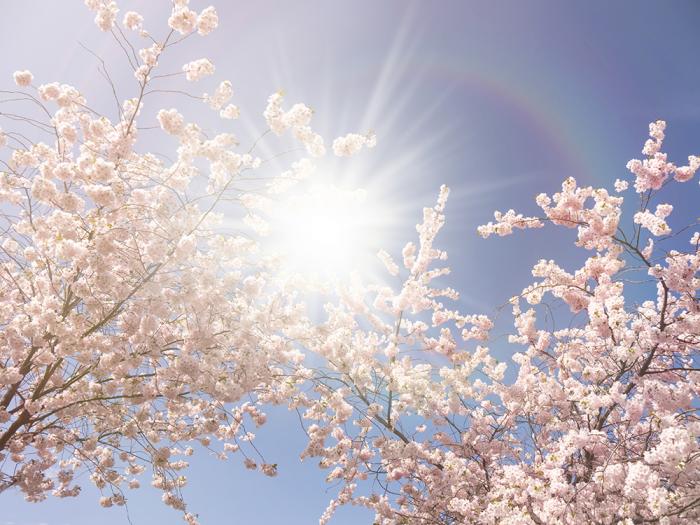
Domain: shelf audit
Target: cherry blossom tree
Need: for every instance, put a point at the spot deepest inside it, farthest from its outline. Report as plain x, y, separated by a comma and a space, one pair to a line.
136, 326
597, 422
133, 324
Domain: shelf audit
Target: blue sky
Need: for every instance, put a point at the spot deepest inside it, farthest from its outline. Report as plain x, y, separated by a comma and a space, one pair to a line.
499, 100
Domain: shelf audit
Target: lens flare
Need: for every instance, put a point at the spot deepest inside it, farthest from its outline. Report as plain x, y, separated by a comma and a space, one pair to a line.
324, 233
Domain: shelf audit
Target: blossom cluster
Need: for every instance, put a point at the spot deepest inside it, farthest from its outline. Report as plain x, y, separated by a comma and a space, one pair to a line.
296, 119
135, 328
652, 172
352, 143
598, 423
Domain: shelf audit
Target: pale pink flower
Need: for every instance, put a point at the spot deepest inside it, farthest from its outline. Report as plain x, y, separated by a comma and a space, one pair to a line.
106, 14
182, 19
23, 78
230, 112
171, 121
389, 263
352, 143
198, 69
620, 185
133, 20
269, 469
685, 173
655, 222
221, 96
207, 21
50, 91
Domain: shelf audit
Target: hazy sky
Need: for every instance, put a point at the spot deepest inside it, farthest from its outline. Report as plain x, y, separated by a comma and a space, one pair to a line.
500, 100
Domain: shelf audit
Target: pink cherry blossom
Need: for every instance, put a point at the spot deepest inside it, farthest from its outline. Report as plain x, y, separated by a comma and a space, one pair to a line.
23, 78
198, 69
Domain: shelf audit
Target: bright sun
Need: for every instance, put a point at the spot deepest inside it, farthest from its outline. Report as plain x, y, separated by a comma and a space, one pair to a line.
324, 233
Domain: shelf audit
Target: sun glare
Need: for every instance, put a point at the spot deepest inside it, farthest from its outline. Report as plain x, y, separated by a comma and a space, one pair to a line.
325, 232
